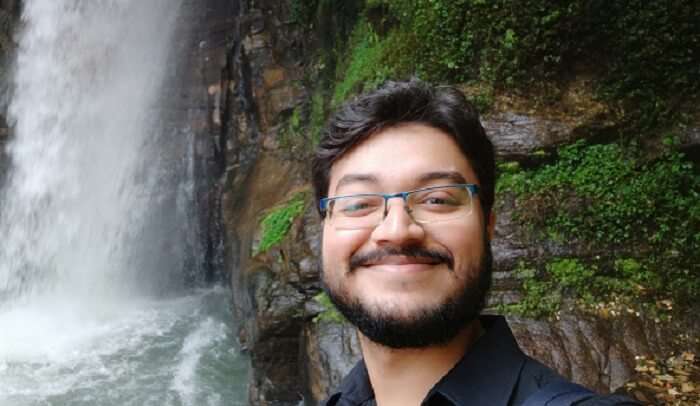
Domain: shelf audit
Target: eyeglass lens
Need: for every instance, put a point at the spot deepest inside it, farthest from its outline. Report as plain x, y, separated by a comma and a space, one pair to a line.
425, 206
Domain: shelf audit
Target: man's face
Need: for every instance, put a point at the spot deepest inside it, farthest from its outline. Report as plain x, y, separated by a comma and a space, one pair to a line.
402, 291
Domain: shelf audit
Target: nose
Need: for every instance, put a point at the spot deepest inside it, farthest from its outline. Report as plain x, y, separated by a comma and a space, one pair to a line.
398, 227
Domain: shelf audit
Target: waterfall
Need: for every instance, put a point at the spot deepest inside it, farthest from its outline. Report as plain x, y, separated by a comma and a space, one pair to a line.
98, 222
94, 207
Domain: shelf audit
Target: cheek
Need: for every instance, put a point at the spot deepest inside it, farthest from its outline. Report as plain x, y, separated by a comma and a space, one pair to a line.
337, 247
465, 244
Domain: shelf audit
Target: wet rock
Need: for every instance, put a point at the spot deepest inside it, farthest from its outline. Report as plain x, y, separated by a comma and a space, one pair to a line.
255, 42
507, 245
280, 99
517, 135
598, 353
330, 351
256, 21
690, 142
274, 339
273, 76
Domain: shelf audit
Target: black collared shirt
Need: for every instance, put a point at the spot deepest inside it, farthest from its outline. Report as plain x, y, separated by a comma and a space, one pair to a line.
495, 372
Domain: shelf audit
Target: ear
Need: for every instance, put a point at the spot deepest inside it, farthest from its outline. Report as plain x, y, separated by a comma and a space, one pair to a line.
491, 224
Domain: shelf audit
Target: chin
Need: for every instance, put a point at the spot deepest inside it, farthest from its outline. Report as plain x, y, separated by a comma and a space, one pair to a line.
404, 307
400, 322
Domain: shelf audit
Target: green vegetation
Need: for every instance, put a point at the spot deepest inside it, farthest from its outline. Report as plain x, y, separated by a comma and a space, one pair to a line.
363, 68
276, 224
318, 115
329, 313
303, 127
544, 290
294, 136
290, 135
643, 54
613, 202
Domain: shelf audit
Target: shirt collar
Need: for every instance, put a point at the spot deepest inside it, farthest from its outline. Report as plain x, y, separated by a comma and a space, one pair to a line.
355, 389
486, 375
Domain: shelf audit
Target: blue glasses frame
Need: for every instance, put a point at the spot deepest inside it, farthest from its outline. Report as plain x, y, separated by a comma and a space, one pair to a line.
324, 202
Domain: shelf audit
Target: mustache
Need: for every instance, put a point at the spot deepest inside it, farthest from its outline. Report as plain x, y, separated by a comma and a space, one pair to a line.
360, 259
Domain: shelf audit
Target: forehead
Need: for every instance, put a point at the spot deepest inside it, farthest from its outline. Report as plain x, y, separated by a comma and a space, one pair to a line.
397, 157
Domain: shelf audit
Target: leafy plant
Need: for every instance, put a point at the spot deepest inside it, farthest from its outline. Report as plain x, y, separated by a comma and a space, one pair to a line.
644, 212
276, 224
363, 69
536, 46
329, 314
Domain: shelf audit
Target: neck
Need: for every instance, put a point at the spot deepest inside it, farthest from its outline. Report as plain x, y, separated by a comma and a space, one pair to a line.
405, 376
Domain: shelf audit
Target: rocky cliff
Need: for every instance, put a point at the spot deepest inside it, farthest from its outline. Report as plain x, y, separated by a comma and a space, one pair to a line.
9, 16
262, 90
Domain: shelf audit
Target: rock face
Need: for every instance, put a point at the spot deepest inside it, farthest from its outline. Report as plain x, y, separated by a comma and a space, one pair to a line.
9, 12
517, 136
330, 351
247, 69
259, 86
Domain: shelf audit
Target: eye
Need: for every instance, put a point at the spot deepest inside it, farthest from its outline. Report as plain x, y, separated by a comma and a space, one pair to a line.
355, 207
439, 198
358, 206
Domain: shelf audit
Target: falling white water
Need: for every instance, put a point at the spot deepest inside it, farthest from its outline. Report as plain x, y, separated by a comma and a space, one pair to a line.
94, 219
87, 177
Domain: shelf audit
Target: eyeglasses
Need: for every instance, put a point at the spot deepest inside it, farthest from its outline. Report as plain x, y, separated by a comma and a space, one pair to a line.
427, 205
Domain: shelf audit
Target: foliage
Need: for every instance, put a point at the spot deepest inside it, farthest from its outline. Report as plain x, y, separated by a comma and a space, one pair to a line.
649, 50
318, 115
655, 71
276, 224
668, 379
303, 11
303, 127
292, 137
362, 70
590, 285
329, 314
611, 199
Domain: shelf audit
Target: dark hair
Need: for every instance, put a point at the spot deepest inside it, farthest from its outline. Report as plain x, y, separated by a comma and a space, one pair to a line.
413, 101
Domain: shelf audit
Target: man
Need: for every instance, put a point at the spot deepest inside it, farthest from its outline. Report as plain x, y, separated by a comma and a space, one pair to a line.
404, 177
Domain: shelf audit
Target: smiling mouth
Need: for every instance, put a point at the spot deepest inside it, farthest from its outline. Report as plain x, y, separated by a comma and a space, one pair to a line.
403, 260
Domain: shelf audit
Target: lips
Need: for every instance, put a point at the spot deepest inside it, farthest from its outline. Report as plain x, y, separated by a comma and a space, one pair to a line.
409, 257
402, 260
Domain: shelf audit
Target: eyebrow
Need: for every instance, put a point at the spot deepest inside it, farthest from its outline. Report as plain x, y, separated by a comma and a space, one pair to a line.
356, 178
453, 176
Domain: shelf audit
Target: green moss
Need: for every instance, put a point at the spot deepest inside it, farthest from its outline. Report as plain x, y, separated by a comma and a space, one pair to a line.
540, 297
276, 224
318, 116
536, 46
362, 69
304, 12
329, 313
587, 283
643, 212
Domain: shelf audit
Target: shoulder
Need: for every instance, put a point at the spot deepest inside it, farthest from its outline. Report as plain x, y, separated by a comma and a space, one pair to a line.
533, 376
538, 382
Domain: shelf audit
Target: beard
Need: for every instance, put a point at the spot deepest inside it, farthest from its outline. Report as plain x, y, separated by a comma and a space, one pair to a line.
433, 326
